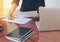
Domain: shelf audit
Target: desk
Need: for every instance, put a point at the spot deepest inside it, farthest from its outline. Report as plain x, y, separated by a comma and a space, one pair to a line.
30, 24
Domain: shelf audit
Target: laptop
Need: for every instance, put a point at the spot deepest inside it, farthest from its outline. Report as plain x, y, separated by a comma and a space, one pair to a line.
21, 34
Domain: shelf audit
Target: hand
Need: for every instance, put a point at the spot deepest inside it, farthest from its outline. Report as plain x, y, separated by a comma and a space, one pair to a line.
9, 14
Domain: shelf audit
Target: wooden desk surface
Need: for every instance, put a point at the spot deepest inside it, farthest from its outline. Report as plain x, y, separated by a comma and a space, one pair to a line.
30, 24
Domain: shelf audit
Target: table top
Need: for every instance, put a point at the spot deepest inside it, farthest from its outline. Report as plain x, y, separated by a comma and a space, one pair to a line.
30, 24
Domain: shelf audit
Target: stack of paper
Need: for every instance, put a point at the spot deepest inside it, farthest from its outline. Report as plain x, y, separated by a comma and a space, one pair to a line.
18, 20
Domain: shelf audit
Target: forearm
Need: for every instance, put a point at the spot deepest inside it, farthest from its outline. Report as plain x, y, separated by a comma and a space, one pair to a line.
10, 14
12, 9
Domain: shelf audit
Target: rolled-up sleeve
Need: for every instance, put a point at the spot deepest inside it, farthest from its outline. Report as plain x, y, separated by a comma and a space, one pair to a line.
15, 1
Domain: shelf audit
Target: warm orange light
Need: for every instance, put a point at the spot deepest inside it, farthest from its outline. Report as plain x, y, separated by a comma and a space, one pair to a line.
4, 5
7, 3
7, 6
1, 5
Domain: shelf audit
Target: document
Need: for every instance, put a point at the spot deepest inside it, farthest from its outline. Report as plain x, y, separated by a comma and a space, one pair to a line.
12, 39
21, 20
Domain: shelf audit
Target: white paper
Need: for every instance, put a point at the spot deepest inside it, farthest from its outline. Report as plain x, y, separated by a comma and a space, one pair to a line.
12, 39
19, 20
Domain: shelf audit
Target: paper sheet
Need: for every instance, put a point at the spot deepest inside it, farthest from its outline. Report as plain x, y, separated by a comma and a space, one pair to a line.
12, 39
18, 20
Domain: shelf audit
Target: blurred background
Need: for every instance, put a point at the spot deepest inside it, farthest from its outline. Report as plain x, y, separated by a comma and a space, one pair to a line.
6, 4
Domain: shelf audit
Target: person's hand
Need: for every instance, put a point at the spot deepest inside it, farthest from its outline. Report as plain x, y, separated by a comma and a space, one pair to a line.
9, 14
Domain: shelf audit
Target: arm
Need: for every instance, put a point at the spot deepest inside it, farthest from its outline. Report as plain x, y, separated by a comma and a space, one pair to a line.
15, 3
12, 9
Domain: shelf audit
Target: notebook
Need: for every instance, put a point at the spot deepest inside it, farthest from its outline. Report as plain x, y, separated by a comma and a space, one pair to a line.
21, 34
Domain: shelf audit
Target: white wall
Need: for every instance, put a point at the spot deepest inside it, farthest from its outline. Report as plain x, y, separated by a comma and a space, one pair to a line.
52, 3
49, 19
